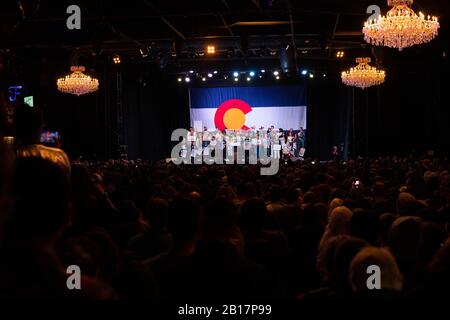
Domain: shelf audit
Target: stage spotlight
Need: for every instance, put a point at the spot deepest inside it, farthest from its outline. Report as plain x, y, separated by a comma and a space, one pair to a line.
304, 72
179, 79
236, 79
324, 75
116, 59
187, 79
277, 77
263, 71
287, 58
340, 54
236, 74
276, 73
215, 71
252, 74
191, 71
311, 75
210, 75
210, 49
144, 52
248, 79
203, 79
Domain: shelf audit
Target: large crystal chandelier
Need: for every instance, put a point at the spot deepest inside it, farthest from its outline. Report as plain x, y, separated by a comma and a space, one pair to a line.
77, 82
363, 75
401, 27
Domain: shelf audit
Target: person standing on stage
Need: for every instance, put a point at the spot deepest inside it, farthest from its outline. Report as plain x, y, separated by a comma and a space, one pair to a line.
300, 142
291, 137
191, 138
206, 137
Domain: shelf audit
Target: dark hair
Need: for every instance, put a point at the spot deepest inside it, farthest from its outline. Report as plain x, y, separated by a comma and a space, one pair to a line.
183, 219
28, 123
156, 212
41, 190
220, 218
253, 215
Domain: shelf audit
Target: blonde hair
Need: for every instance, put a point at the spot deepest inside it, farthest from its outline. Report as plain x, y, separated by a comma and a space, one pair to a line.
336, 202
391, 278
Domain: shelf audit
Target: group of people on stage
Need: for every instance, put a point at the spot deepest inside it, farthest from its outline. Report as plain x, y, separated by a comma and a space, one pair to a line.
279, 143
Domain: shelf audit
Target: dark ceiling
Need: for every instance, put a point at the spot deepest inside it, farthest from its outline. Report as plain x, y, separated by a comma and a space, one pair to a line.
177, 32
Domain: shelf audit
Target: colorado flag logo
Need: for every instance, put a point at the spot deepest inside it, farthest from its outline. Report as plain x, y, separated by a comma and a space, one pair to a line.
231, 115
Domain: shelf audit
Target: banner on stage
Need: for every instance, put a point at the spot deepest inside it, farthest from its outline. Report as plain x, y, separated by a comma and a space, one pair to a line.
249, 107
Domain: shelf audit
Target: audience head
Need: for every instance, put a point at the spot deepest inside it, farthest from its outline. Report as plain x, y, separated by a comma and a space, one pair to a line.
29, 123
406, 203
390, 276
292, 196
339, 222
219, 220
183, 220
336, 202
253, 215
378, 190
385, 222
346, 249
405, 240
364, 225
41, 192
156, 213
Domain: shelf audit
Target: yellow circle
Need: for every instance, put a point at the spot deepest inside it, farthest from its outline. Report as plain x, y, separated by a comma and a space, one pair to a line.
234, 119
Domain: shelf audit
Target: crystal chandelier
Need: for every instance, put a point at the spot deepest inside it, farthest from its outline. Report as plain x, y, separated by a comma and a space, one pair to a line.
77, 82
363, 75
401, 27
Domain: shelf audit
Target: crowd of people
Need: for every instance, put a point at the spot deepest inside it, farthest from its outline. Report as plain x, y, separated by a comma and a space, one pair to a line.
278, 143
159, 231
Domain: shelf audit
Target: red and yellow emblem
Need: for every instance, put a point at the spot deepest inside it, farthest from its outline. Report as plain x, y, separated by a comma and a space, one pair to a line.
231, 115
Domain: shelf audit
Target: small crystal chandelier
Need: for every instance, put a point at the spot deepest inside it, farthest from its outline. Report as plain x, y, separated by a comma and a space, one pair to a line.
363, 75
401, 27
77, 82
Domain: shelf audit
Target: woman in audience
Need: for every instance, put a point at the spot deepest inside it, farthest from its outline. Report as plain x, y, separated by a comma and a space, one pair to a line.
384, 280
